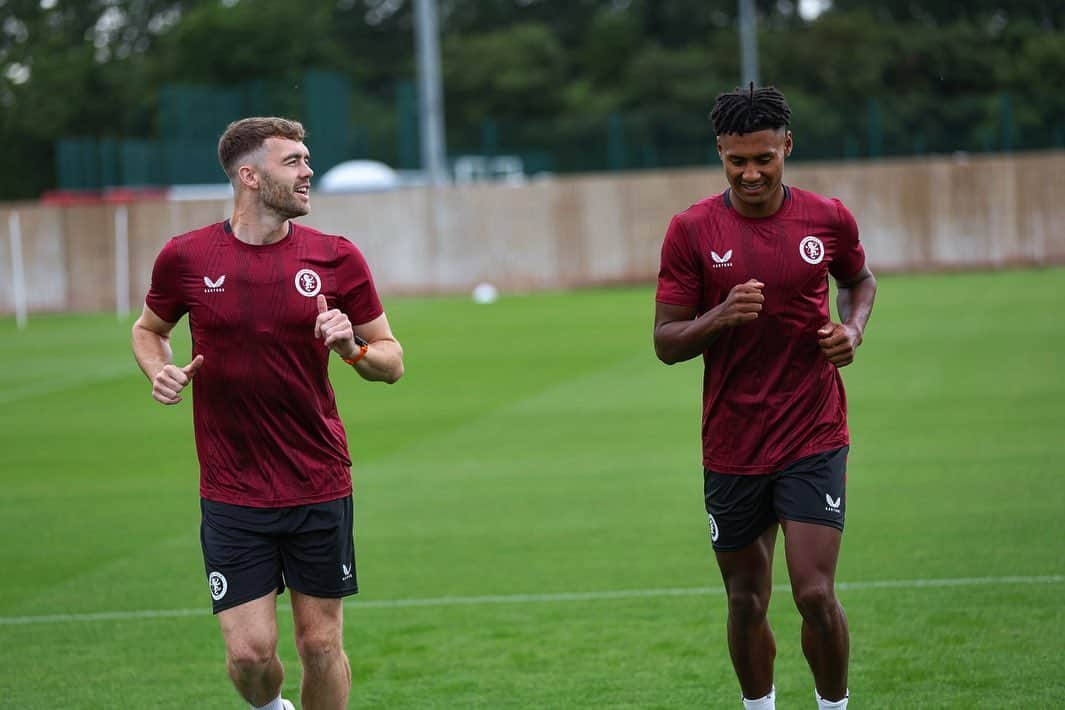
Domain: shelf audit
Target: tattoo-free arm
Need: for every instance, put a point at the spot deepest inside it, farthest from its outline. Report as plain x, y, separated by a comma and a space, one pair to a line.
839, 341
679, 335
383, 361
855, 300
151, 343
151, 347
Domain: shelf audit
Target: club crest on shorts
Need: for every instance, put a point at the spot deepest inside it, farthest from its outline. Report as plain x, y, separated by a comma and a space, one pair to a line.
308, 283
812, 250
218, 583
713, 528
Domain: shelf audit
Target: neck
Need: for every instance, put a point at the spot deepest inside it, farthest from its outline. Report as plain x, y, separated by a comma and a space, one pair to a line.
256, 227
763, 209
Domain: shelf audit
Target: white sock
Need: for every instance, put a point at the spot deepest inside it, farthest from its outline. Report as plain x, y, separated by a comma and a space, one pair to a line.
274, 704
823, 704
769, 702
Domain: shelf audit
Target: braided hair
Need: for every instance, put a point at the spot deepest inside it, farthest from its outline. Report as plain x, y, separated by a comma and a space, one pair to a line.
749, 110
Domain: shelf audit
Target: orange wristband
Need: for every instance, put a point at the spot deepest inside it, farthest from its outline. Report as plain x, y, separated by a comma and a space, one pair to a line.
362, 353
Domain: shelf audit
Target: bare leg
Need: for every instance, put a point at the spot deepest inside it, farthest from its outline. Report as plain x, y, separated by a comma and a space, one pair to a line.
319, 640
748, 577
812, 552
250, 633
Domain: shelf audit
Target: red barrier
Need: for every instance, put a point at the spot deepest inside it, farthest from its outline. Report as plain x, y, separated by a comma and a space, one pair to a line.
110, 196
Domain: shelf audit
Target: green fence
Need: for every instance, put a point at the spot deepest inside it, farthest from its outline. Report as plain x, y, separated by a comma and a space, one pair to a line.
876, 128
191, 118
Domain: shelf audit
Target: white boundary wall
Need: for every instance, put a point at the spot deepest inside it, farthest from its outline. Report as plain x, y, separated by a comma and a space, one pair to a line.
928, 214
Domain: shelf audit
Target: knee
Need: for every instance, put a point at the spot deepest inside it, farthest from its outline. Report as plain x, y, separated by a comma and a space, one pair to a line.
817, 604
747, 607
251, 655
318, 650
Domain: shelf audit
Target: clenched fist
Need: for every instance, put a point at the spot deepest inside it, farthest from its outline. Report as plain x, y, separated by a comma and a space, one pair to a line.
743, 303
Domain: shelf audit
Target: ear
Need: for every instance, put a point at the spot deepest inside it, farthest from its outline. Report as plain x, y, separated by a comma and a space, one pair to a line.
787, 143
248, 177
720, 150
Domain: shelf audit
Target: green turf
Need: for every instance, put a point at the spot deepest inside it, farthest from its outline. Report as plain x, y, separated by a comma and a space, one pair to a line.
535, 446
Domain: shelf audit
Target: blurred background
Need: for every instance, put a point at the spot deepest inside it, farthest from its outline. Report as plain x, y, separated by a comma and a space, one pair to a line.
558, 137
100, 94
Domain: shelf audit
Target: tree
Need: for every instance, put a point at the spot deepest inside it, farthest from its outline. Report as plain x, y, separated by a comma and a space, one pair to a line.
1049, 14
930, 75
518, 71
72, 68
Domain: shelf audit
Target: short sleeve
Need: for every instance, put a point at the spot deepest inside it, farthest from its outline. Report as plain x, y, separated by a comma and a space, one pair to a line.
355, 286
165, 297
679, 274
849, 255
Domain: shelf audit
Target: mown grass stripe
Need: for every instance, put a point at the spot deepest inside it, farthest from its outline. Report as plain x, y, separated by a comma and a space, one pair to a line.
551, 597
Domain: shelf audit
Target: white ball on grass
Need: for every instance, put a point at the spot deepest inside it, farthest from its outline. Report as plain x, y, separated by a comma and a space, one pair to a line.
485, 293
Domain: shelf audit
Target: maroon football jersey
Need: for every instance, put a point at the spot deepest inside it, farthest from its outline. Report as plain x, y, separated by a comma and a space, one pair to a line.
770, 396
267, 429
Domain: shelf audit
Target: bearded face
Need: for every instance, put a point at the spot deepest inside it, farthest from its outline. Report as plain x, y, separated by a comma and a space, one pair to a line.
282, 198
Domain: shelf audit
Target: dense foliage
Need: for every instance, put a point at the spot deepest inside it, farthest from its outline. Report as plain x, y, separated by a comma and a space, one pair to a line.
864, 78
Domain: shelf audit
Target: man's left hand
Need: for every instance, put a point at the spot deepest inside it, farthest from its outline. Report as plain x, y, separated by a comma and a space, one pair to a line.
838, 342
333, 325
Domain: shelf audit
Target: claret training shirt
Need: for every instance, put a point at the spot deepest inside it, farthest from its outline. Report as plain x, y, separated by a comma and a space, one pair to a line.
770, 396
267, 429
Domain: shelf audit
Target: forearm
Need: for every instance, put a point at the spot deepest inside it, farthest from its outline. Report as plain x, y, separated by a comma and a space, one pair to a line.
678, 341
383, 361
855, 303
151, 350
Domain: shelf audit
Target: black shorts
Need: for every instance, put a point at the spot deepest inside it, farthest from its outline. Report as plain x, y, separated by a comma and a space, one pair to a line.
250, 552
810, 490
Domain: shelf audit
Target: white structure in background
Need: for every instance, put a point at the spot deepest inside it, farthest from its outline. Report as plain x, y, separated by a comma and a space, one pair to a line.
485, 293
18, 269
359, 176
122, 262
430, 91
206, 191
478, 168
349, 176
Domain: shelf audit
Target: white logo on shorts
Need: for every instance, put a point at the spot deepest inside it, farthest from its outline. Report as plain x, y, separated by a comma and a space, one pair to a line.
218, 583
812, 250
833, 504
346, 569
308, 283
713, 528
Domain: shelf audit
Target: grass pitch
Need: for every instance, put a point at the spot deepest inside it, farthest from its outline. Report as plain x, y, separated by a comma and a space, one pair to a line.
529, 522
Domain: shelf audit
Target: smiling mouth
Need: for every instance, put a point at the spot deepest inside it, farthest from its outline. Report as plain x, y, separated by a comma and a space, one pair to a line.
304, 191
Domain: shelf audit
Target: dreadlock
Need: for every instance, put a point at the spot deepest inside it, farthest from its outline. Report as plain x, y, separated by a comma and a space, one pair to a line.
749, 110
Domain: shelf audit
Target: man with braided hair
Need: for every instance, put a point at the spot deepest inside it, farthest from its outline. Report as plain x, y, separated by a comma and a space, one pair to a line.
744, 282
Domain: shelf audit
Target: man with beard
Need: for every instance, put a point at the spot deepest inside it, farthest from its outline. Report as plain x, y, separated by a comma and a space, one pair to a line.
267, 301
744, 283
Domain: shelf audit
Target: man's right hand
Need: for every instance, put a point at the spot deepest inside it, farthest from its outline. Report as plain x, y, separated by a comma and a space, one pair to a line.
168, 383
680, 334
743, 303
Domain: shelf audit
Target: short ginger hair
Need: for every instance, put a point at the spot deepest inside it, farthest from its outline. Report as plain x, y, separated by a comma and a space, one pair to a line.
247, 135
